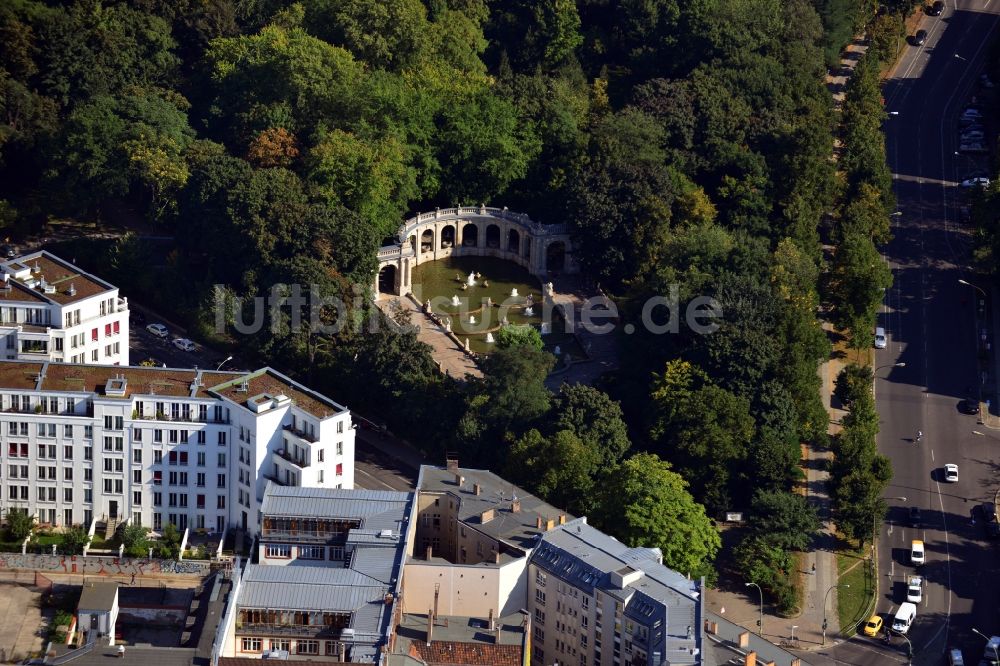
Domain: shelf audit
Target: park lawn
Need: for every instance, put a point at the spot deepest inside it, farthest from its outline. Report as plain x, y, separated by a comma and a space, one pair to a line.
854, 603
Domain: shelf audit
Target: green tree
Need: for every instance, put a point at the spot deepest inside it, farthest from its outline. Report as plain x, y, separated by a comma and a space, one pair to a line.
523, 335
785, 519
651, 506
560, 468
19, 523
134, 539
853, 382
595, 418
859, 278
769, 565
74, 539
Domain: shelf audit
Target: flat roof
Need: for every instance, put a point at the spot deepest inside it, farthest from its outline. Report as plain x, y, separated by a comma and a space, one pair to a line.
720, 647
167, 382
377, 509
71, 283
519, 528
98, 596
134, 656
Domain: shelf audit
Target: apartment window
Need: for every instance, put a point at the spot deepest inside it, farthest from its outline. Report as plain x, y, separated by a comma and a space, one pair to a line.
184, 458
108, 487
201, 436
221, 481
307, 647
88, 432
158, 435
340, 469
200, 502
173, 436
68, 431
340, 448
319, 477
157, 478
137, 476
222, 438
173, 478
93, 335
252, 644
312, 552
221, 460
157, 499
539, 634
278, 550
114, 422
93, 356
88, 495
157, 521
118, 486
201, 459
539, 616
540, 578
220, 502
172, 458
88, 474
137, 456
137, 498
88, 453
107, 464
67, 473
107, 328
539, 597
319, 455
68, 495
340, 426
172, 499
184, 478
117, 328
200, 480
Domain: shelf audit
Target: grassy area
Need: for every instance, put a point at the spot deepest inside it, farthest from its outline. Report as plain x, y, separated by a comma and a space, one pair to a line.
854, 603
98, 541
47, 539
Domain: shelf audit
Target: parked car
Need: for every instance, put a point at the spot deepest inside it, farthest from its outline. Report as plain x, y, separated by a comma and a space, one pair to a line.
873, 626
880, 339
972, 148
159, 330
914, 589
955, 657
935, 9
973, 136
184, 344
972, 112
951, 473
984, 81
919, 37
915, 517
980, 181
969, 406
916, 552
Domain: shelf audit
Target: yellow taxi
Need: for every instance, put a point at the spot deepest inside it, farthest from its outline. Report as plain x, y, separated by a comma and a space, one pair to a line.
873, 626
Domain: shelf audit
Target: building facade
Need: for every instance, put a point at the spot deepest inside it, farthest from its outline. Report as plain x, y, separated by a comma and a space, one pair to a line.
193, 448
596, 602
329, 578
50, 310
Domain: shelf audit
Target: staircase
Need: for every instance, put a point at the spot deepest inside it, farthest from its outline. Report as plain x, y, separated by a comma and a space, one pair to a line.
110, 527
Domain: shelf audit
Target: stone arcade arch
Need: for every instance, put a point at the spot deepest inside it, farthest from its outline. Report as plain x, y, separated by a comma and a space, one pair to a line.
472, 231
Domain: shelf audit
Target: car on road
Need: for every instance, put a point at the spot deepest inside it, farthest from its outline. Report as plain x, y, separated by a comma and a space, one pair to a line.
873, 626
159, 330
980, 181
880, 339
955, 657
915, 517
951, 473
935, 9
919, 37
916, 552
914, 589
973, 113
969, 406
184, 344
904, 618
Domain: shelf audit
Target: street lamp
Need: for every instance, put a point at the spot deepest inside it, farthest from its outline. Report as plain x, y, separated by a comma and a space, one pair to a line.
900, 364
224, 361
961, 58
995, 657
909, 647
898, 213
760, 622
969, 284
825, 598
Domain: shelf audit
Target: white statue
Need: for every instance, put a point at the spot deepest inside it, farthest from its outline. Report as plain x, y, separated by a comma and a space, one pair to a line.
546, 328
529, 311
513, 292
472, 320
471, 280
467, 344
558, 350
489, 339
454, 301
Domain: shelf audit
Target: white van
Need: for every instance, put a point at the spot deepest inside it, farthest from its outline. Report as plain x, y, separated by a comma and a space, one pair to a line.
880, 339
916, 552
905, 616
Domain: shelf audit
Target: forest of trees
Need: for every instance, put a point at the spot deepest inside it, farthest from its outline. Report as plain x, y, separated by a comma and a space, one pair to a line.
688, 141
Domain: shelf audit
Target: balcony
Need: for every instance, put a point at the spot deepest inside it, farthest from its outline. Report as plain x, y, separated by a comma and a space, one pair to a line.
274, 477
290, 630
312, 439
286, 455
313, 536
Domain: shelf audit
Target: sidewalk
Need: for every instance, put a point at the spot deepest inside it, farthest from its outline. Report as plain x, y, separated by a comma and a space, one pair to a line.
450, 358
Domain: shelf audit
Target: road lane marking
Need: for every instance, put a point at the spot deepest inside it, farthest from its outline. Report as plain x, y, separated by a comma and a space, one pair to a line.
932, 455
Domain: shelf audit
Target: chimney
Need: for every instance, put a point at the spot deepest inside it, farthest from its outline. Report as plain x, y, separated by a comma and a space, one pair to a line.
487, 516
496, 636
430, 553
459, 480
562, 518
496, 557
476, 489
451, 464
491, 621
515, 506
549, 524
430, 626
538, 522
751, 659
711, 627
743, 639
796, 662
342, 652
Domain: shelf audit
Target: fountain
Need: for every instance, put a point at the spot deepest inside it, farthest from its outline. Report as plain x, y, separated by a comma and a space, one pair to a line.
504, 322
546, 328
489, 339
549, 290
455, 302
472, 320
489, 302
558, 350
529, 311
530, 300
513, 292
471, 280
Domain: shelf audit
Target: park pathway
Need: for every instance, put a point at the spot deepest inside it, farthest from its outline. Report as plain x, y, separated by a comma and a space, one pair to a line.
451, 359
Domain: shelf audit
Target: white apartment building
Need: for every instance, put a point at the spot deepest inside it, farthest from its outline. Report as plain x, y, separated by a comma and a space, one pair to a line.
158, 445
50, 310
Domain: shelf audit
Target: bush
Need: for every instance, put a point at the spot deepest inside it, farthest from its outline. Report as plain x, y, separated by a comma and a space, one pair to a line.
73, 540
524, 335
853, 381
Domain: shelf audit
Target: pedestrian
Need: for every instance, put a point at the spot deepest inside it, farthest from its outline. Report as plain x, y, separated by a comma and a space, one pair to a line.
133, 579
814, 567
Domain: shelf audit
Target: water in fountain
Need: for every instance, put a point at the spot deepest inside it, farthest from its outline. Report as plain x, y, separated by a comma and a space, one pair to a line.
471, 280
489, 339
454, 301
513, 292
472, 319
546, 328
529, 312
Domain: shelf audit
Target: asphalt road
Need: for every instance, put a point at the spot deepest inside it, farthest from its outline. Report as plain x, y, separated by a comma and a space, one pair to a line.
930, 320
